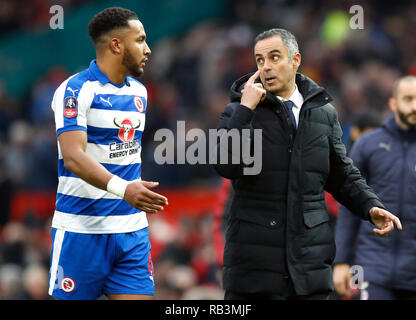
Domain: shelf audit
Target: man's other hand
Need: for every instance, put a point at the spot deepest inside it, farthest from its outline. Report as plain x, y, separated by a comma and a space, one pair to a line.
140, 197
342, 277
384, 221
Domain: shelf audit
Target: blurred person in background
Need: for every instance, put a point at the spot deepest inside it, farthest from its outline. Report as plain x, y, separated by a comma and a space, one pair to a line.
35, 280
363, 122
279, 244
220, 217
187, 257
44, 168
5, 188
30, 157
99, 229
178, 252
13, 247
18, 156
7, 109
25, 243
386, 157
42, 94
10, 281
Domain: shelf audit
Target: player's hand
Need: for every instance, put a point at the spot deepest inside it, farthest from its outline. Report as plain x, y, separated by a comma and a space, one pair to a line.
341, 277
140, 197
252, 92
384, 221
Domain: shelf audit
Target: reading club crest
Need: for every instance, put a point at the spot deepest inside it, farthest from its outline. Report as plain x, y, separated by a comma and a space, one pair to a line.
68, 284
138, 102
127, 128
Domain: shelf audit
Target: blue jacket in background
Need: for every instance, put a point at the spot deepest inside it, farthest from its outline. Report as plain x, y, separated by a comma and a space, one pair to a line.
387, 158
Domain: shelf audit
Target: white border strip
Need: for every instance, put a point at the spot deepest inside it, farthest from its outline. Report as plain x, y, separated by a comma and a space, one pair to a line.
77, 187
57, 246
104, 118
99, 224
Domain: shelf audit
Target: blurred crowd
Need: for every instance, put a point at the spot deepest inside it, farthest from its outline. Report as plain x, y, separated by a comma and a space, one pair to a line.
188, 77
16, 15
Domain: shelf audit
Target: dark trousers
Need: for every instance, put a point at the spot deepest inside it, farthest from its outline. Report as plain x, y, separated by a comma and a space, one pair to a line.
378, 292
287, 292
270, 296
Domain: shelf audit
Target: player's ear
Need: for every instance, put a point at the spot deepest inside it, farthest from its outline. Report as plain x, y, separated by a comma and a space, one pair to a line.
115, 45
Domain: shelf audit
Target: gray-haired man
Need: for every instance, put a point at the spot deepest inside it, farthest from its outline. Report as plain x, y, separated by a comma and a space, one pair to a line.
279, 244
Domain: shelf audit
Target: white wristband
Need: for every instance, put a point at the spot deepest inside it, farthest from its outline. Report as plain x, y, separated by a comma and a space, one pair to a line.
117, 186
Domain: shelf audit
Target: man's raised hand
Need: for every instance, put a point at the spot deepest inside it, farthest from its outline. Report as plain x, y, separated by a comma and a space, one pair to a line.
252, 92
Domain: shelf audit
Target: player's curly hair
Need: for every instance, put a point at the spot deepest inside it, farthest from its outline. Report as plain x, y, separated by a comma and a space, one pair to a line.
109, 19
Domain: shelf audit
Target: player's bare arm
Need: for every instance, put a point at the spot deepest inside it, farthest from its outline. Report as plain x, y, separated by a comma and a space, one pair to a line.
73, 146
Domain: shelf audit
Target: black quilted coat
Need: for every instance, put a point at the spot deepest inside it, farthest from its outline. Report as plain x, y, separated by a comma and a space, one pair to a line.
279, 230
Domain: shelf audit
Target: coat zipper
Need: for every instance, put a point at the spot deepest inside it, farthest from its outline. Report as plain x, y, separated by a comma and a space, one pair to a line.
399, 213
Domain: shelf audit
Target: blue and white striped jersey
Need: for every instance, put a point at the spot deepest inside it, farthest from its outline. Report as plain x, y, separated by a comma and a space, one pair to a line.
113, 117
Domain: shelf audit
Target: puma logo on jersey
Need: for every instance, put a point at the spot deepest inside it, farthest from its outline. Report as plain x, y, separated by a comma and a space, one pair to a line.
107, 101
72, 90
384, 145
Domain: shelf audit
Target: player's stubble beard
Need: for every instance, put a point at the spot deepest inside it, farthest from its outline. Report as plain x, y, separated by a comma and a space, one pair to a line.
404, 119
130, 63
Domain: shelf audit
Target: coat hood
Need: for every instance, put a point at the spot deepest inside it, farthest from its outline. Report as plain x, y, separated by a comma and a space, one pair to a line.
307, 87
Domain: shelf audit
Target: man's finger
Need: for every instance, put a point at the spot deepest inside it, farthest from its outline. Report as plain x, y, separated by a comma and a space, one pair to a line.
158, 202
156, 197
379, 232
153, 195
145, 209
260, 88
150, 205
263, 95
386, 217
347, 289
340, 287
385, 231
150, 184
393, 218
397, 222
253, 77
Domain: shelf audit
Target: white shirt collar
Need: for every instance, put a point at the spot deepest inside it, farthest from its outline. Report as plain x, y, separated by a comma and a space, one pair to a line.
296, 98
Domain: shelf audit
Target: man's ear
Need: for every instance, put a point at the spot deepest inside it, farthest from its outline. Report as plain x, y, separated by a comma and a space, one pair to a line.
115, 45
296, 60
393, 104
